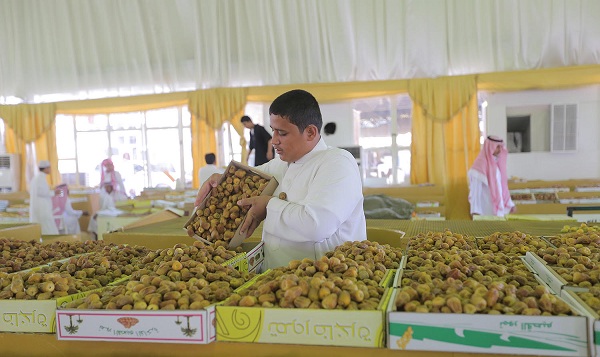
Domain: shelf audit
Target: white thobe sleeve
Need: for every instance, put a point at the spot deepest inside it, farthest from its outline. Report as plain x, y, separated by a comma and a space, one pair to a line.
477, 190
42, 188
333, 194
70, 211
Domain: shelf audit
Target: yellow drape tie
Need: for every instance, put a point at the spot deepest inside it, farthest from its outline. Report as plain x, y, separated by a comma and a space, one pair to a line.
445, 134
28, 121
210, 109
38, 117
31, 123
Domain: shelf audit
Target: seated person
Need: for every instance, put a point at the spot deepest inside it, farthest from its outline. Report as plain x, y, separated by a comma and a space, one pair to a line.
70, 216
208, 169
107, 203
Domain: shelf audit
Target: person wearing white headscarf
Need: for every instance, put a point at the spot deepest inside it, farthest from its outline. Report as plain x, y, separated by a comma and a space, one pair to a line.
40, 200
109, 174
488, 182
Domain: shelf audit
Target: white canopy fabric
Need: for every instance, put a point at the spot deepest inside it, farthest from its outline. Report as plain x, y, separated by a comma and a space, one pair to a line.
72, 49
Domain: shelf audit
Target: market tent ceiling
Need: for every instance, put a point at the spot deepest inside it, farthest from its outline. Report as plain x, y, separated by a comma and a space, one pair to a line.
109, 48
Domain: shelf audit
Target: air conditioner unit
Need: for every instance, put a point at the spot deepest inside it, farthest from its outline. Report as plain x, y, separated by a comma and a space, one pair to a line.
10, 173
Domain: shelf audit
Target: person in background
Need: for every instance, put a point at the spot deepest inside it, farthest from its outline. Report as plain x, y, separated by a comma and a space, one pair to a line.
114, 177
40, 200
106, 203
488, 181
70, 216
208, 169
318, 204
260, 142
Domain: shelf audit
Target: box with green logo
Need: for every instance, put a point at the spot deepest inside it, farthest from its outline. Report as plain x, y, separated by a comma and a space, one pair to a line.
485, 333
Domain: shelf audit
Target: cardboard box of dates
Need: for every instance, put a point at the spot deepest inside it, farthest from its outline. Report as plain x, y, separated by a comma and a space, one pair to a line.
465, 326
218, 218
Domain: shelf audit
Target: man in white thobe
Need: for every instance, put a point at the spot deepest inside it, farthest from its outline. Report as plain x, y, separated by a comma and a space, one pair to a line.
323, 203
40, 200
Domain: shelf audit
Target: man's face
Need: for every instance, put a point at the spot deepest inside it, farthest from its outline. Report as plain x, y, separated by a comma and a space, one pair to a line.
498, 149
108, 188
248, 124
289, 143
47, 170
109, 167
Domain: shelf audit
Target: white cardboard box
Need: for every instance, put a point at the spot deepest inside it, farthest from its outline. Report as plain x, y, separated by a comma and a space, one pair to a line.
514, 334
254, 256
547, 275
483, 333
360, 328
238, 238
593, 323
175, 326
32, 315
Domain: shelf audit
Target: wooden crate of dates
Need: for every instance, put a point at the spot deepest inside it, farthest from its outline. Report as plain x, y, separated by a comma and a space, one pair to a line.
218, 217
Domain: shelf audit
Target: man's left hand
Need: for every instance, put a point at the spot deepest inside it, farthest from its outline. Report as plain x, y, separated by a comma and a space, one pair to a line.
256, 213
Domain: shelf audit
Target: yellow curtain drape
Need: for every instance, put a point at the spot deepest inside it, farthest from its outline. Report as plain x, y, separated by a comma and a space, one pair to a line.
210, 109
31, 123
45, 149
547, 78
122, 104
332, 92
445, 137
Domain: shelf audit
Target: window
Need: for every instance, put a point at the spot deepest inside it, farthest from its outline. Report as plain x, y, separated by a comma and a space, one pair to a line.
385, 138
229, 140
149, 149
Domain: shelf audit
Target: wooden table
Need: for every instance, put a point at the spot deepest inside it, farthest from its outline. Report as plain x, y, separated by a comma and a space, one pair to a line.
46, 345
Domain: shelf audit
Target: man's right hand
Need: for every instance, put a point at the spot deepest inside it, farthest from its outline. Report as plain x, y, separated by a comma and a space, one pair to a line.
204, 190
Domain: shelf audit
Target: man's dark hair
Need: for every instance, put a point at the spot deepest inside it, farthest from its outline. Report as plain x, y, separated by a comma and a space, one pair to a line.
299, 107
329, 128
245, 118
210, 158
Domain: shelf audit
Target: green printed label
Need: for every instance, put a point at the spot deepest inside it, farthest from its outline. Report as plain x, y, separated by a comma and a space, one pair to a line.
471, 338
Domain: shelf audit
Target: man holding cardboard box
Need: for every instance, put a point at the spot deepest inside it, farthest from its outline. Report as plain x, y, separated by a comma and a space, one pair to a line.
318, 204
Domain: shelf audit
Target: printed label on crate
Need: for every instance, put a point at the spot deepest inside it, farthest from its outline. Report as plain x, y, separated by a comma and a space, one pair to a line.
597, 337
255, 257
587, 189
512, 334
428, 204
238, 262
310, 327
33, 315
179, 326
27, 315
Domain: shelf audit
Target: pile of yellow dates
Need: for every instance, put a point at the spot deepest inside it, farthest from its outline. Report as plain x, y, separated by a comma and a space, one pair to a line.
334, 282
421, 293
16, 255
76, 274
221, 215
179, 283
389, 257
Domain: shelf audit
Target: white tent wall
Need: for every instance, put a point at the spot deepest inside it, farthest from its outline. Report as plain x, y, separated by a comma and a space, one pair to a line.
346, 132
545, 165
54, 50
